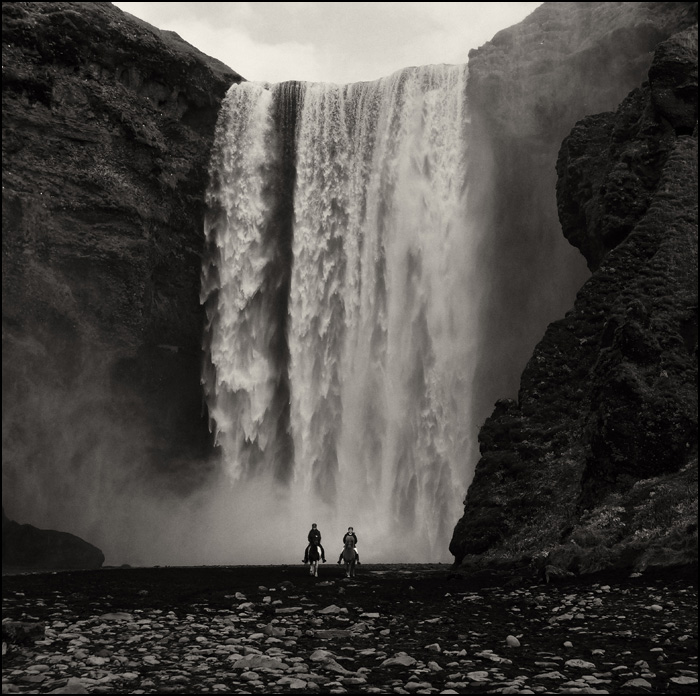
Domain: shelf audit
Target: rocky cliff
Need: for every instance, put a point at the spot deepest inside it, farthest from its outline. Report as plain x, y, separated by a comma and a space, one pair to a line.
595, 464
527, 88
107, 126
26, 548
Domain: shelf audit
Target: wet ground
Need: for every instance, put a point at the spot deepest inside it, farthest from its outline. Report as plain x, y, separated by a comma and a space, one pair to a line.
392, 629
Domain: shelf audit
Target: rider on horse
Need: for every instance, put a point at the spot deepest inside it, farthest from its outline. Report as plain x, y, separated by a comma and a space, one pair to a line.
314, 537
350, 533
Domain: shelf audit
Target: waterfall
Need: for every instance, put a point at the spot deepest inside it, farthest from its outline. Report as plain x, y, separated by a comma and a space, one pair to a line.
341, 296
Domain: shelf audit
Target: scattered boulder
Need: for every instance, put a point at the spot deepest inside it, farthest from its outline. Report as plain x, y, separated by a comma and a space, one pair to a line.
22, 632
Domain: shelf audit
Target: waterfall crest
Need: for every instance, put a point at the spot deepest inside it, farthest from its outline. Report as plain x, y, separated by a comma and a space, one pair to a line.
341, 294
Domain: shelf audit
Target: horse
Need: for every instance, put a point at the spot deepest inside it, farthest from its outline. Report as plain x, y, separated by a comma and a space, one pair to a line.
314, 558
349, 557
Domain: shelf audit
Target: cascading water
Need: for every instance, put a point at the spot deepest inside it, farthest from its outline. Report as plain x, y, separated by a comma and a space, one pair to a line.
341, 291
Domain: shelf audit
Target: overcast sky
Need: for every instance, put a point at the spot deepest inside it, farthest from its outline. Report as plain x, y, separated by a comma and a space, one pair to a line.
331, 41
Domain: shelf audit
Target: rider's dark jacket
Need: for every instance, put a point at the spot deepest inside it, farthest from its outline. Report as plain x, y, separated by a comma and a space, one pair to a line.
314, 535
349, 534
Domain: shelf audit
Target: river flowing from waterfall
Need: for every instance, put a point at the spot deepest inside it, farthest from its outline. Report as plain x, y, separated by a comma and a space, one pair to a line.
342, 292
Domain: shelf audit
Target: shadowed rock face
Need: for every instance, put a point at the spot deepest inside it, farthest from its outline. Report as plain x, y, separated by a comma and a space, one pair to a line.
620, 157
527, 88
25, 548
107, 126
596, 462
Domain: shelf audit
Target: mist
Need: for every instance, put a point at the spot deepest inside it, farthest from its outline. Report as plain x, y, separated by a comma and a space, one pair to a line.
354, 401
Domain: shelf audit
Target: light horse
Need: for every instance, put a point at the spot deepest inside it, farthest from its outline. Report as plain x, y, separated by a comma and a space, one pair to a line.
349, 557
314, 558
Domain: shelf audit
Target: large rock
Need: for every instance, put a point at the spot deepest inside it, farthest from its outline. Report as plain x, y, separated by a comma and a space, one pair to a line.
107, 127
25, 548
625, 175
674, 82
595, 464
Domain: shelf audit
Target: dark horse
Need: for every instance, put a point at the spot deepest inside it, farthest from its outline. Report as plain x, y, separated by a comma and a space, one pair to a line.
314, 558
349, 556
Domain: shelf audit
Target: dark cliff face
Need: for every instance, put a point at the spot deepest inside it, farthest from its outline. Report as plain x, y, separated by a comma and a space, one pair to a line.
107, 127
527, 88
595, 465
26, 548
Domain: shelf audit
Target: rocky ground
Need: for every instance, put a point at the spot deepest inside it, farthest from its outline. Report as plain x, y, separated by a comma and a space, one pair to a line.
392, 629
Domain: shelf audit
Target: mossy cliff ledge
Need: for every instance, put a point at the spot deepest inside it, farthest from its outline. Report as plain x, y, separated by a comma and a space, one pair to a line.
107, 127
595, 465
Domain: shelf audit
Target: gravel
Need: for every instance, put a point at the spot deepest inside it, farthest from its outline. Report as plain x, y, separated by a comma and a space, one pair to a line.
415, 629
